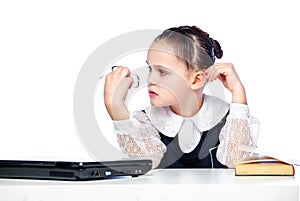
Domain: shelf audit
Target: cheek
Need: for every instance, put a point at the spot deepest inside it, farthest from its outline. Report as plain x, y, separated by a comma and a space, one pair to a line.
165, 98
174, 90
177, 86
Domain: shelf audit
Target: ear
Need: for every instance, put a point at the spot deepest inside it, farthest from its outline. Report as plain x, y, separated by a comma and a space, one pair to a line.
198, 79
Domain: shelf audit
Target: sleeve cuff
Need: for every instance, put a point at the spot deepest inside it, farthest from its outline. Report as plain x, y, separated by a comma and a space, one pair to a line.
239, 111
123, 125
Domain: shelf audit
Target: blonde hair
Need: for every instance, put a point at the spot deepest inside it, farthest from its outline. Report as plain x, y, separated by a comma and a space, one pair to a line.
191, 45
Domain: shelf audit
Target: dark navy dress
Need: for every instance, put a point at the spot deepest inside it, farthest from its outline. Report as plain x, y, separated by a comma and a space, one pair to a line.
203, 156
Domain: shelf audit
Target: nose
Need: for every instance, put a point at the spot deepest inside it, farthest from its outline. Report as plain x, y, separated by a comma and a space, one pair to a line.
152, 80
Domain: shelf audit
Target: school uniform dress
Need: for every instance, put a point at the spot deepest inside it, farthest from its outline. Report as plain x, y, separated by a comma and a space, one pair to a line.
209, 139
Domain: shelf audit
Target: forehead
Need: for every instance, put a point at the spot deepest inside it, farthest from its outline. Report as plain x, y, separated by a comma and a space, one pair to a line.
163, 55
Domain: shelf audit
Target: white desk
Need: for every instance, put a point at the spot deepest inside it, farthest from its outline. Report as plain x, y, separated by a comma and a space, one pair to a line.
171, 184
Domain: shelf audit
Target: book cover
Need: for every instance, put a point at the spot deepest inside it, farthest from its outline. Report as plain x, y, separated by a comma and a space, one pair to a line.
264, 164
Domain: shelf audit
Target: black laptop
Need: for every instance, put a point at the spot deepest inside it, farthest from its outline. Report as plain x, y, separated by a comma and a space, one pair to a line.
67, 170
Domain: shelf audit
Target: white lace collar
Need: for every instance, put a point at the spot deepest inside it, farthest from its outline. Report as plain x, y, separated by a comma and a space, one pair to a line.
169, 124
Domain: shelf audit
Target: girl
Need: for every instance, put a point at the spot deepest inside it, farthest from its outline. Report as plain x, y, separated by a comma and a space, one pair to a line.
183, 127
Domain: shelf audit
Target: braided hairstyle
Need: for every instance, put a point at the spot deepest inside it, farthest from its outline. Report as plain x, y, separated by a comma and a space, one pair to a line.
192, 46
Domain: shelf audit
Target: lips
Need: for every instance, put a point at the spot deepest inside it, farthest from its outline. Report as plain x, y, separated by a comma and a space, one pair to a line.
152, 93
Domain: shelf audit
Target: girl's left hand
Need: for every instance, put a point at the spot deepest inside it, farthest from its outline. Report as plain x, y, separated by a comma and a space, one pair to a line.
226, 73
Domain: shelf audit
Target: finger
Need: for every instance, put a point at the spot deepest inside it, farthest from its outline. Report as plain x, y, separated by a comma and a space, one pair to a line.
129, 82
123, 71
114, 70
124, 84
117, 69
115, 76
211, 73
222, 79
119, 72
214, 75
218, 70
208, 72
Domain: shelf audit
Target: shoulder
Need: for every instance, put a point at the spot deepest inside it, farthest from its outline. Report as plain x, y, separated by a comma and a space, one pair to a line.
158, 115
164, 120
214, 106
152, 114
156, 111
211, 113
215, 101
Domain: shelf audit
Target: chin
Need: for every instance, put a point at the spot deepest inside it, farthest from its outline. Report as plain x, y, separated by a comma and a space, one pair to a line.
158, 103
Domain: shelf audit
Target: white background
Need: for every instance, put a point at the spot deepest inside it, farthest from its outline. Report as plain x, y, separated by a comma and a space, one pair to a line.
43, 45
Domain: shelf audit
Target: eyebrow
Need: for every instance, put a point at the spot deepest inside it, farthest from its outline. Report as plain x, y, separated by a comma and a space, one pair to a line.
159, 66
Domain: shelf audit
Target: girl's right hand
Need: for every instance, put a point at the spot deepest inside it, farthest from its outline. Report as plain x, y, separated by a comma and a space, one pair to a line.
117, 84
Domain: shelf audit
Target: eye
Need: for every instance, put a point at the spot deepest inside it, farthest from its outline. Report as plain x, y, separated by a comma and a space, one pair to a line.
149, 68
162, 72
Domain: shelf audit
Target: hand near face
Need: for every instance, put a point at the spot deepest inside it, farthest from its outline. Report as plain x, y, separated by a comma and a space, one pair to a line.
117, 84
226, 73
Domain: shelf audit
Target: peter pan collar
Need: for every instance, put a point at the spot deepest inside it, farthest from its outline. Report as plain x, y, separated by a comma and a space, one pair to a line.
169, 123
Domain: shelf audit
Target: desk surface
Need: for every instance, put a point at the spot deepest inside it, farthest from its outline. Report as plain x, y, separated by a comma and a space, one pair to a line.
168, 184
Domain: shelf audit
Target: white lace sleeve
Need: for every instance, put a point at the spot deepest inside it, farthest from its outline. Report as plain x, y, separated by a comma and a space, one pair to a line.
139, 139
240, 129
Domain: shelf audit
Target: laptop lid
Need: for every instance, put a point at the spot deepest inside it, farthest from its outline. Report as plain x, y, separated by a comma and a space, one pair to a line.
70, 170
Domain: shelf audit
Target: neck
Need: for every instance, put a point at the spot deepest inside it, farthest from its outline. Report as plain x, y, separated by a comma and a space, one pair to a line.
188, 108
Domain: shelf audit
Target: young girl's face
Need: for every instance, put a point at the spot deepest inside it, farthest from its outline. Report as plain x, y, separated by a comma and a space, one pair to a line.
169, 79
